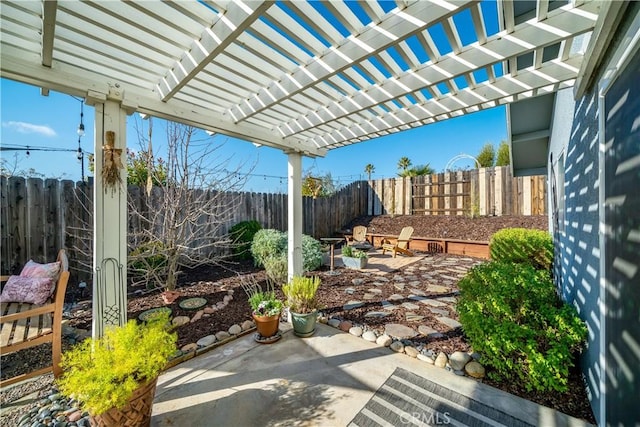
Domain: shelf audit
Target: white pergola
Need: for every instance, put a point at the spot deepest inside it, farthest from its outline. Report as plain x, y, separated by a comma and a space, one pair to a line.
304, 77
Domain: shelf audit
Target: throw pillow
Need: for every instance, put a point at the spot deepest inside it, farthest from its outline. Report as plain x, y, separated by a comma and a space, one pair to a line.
32, 290
34, 269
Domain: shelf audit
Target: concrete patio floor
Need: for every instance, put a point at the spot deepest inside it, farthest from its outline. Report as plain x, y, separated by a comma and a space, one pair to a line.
324, 380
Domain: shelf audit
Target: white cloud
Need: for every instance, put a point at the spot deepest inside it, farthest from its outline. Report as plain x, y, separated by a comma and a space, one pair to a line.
24, 127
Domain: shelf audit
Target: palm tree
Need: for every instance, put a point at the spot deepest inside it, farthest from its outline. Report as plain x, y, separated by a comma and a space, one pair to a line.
418, 170
369, 169
404, 163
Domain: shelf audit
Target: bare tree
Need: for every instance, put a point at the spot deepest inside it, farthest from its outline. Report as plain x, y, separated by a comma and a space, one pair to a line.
182, 222
178, 213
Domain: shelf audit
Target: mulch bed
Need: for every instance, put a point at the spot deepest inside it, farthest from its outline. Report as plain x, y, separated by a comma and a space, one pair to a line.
212, 283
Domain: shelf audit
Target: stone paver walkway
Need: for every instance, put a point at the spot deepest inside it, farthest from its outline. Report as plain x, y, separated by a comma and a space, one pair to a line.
427, 281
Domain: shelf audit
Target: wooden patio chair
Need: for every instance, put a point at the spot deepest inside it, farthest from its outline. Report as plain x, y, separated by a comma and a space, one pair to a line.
359, 235
401, 244
27, 325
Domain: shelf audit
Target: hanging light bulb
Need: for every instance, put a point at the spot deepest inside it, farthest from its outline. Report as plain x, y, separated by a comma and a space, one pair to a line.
81, 125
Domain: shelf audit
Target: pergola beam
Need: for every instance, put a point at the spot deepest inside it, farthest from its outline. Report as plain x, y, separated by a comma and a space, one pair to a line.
49, 10
65, 78
214, 40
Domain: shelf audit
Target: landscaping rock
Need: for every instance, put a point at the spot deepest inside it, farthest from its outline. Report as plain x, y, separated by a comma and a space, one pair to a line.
334, 323
189, 347
246, 325
425, 358
345, 325
411, 351
370, 336
441, 360
458, 359
180, 320
209, 310
206, 341
235, 329
197, 316
474, 369
384, 340
397, 346
222, 335
356, 330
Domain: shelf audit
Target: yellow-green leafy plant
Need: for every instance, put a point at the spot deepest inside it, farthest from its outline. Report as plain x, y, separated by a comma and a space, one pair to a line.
103, 373
301, 293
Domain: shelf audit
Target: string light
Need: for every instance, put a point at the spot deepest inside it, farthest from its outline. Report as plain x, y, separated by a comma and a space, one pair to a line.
81, 125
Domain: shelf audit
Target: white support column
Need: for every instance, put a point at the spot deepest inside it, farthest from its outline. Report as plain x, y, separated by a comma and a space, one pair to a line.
109, 220
294, 209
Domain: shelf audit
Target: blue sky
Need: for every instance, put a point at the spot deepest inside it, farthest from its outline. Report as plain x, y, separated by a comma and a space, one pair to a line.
30, 119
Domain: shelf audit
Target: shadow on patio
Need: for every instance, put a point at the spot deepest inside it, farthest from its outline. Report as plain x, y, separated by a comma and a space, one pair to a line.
324, 380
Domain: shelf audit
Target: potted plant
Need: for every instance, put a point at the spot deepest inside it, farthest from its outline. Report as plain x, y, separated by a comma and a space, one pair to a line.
114, 377
265, 308
300, 293
354, 258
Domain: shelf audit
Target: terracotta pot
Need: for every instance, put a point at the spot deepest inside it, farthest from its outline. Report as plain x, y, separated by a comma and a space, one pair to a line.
170, 296
267, 326
137, 412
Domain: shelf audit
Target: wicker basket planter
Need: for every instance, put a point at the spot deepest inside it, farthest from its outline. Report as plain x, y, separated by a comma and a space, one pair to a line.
136, 413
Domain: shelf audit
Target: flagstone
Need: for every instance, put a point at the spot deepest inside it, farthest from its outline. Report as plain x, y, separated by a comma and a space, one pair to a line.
399, 331
449, 322
352, 304
413, 317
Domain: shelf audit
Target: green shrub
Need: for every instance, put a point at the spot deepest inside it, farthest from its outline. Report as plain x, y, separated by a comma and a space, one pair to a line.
523, 245
512, 316
276, 268
242, 235
267, 243
270, 243
311, 253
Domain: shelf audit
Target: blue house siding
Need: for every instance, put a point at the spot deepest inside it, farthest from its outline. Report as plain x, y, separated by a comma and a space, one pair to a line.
579, 254
622, 251
609, 307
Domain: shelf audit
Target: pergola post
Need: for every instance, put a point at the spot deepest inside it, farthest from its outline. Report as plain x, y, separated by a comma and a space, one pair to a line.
294, 215
109, 216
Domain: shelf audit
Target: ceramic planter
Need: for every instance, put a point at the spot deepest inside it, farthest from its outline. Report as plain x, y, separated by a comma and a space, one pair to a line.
354, 263
304, 324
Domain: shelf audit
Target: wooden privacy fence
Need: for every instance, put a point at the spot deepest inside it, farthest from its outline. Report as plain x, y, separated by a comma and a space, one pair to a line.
479, 192
38, 217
